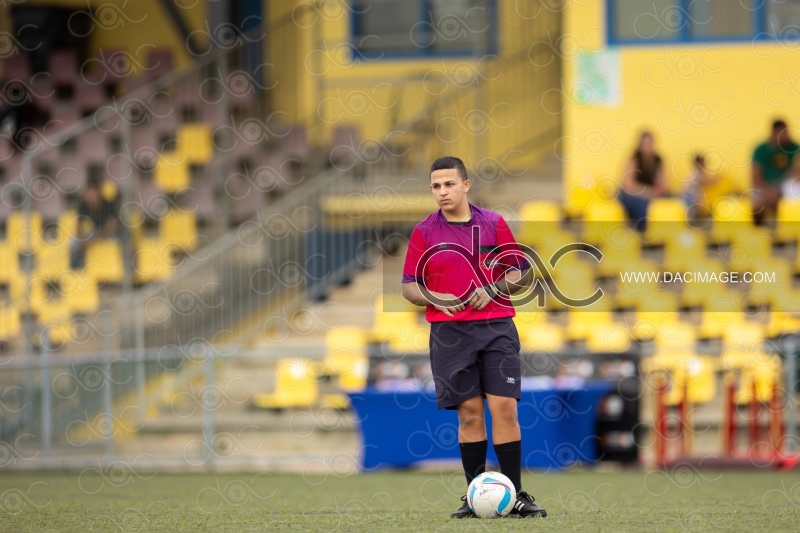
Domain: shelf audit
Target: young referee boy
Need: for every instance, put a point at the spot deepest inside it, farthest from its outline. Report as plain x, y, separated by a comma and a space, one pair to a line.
474, 344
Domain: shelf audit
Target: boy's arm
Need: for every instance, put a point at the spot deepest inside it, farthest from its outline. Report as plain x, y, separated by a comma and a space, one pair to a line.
444, 302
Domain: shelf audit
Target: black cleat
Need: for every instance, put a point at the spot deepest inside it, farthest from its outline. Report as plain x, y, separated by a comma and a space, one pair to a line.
464, 511
524, 507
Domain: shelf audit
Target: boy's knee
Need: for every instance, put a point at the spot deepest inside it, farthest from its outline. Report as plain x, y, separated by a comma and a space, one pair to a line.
504, 409
470, 412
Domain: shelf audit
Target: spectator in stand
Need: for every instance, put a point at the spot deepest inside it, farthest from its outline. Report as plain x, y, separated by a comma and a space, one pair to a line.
18, 114
771, 163
696, 195
642, 180
98, 218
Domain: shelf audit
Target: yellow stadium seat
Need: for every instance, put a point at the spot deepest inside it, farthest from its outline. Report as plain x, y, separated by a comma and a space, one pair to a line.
180, 229
744, 334
10, 325
194, 143
582, 321
600, 220
622, 248
55, 312
781, 322
714, 324
672, 335
104, 261
688, 372
683, 249
726, 185
52, 258
577, 199
18, 291
295, 386
172, 172
335, 400
776, 292
40, 296
616, 338
81, 292
354, 378
136, 226
644, 295
538, 337
24, 238
665, 217
346, 357
55, 319
787, 227
575, 280
754, 367
540, 224
9, 262
540, 211
153, 260
648, 324
750, 246
710, 296
68, 223
796, 264
392, 324
766, 377
528, 316
728, 213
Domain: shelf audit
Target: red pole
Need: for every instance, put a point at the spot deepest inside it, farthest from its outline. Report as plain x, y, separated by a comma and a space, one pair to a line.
753, 422
730, 406
683, 409
661, 423
776, 421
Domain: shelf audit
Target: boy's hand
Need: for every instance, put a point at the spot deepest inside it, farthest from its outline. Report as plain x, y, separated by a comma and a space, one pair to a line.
480, 298
451, 303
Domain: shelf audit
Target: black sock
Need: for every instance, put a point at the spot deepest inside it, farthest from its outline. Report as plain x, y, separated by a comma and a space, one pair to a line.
473, 457
509, 455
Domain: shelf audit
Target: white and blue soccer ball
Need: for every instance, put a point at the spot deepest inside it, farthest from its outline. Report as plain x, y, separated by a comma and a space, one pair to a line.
491, 495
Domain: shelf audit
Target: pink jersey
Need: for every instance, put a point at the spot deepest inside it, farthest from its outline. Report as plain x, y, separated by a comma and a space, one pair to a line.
438, 257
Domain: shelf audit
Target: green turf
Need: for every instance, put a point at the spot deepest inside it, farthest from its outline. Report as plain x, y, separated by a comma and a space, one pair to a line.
121, 500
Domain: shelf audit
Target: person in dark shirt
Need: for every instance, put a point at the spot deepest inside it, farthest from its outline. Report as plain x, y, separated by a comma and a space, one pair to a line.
98, 218
642, 180
18, 114
772, 160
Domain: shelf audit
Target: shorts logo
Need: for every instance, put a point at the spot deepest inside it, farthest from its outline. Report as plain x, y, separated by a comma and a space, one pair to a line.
510, 380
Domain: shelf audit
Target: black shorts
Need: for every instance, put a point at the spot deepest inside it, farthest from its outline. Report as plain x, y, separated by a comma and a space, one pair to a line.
475, 357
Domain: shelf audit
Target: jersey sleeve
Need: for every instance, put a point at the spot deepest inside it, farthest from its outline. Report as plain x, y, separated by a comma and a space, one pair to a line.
416, 248
506, 239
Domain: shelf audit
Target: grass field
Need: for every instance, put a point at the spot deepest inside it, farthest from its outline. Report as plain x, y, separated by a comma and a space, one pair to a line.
124, 500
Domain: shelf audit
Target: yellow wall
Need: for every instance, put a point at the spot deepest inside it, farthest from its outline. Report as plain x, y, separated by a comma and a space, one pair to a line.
713, 98
134, 25
320, 86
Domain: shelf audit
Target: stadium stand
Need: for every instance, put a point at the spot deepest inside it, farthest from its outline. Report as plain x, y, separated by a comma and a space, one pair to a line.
169, 171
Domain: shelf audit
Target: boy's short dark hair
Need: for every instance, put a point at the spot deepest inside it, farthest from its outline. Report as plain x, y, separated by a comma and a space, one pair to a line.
448, 162
778, 125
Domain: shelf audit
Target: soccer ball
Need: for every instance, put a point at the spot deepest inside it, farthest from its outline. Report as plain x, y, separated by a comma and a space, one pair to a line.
491, 495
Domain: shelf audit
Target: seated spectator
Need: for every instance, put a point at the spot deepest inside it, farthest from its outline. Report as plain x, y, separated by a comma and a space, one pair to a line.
642, 180
19, 114
771, 162
698, 186
98, 218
